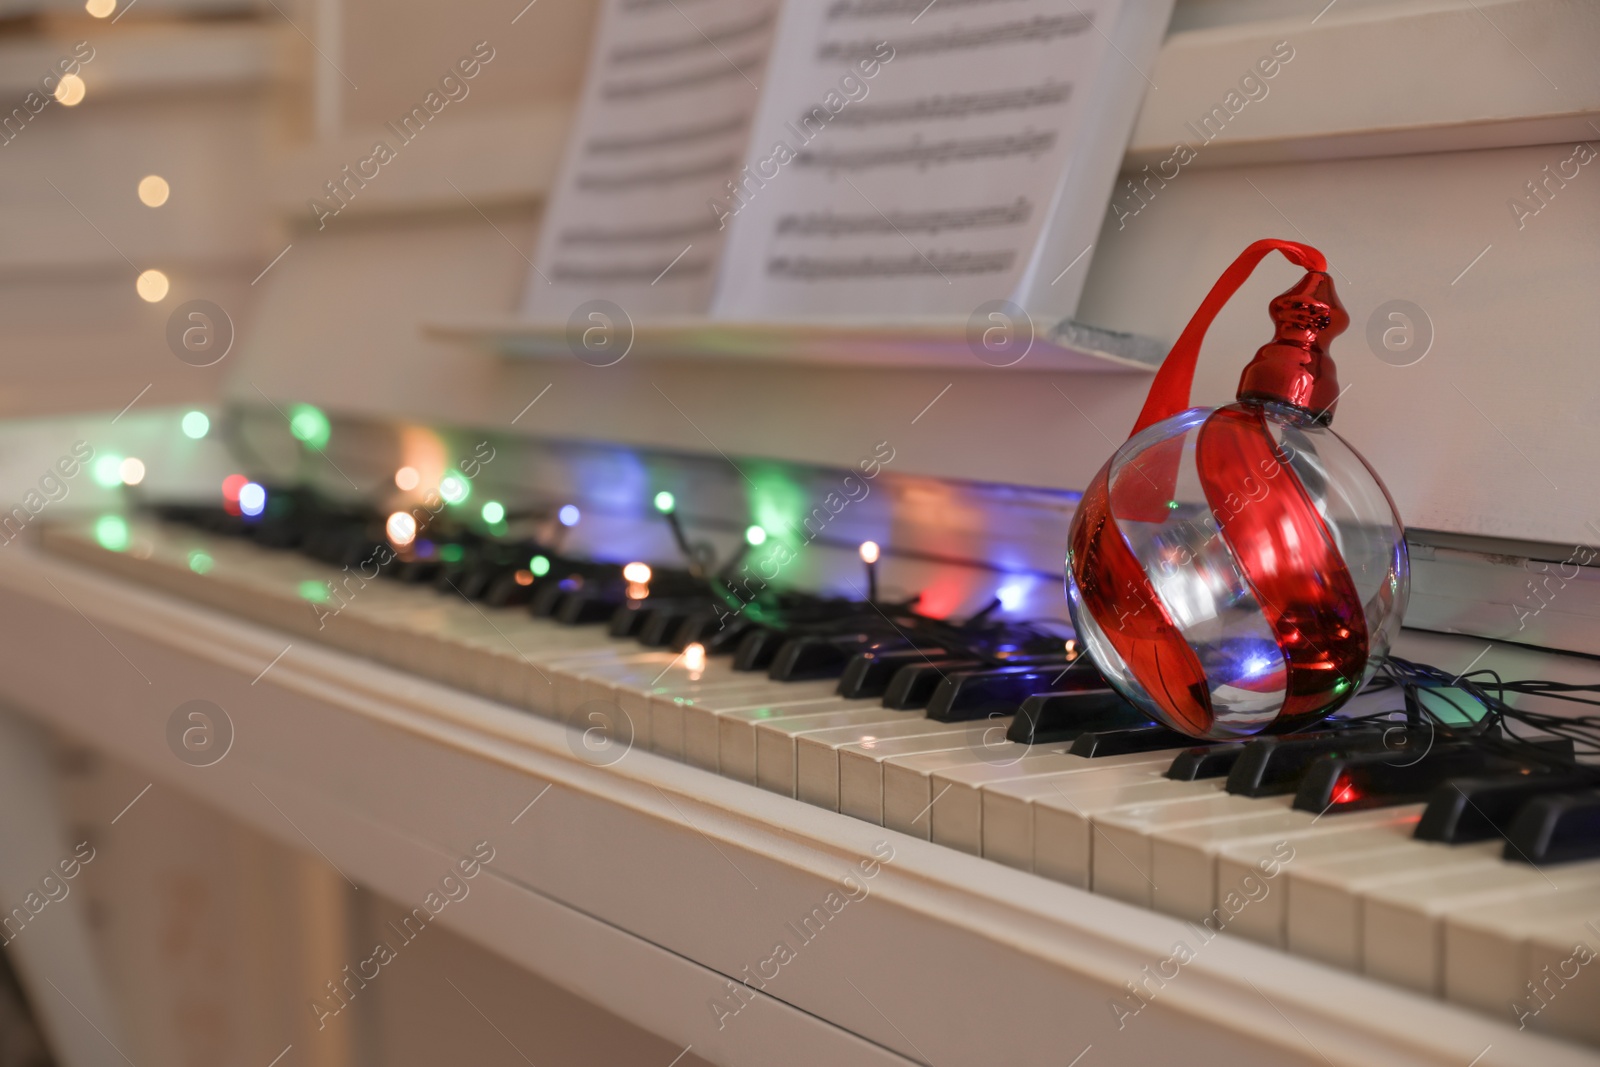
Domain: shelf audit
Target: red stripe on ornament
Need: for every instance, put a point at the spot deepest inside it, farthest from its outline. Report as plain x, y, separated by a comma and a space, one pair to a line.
1287, 556
1118, 594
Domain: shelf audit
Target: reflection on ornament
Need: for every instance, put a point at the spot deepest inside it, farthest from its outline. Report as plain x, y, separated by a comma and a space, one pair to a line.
1241, 569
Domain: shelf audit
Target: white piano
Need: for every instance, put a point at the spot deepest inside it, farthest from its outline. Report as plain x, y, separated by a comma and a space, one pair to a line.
416, 846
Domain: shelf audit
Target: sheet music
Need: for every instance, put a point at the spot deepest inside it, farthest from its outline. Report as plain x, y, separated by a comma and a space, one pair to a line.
908, 156
663, 125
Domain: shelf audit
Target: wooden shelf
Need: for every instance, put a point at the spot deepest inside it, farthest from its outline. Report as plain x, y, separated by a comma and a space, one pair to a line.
1069, 346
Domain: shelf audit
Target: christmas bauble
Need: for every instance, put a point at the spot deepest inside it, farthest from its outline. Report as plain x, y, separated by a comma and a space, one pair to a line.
1239, 569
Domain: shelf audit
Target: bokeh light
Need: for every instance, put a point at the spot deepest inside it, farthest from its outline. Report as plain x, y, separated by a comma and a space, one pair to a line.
152, 286
252, 499
153, 190
401, 528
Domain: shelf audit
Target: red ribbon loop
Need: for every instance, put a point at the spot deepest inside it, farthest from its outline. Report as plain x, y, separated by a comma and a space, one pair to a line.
1169, 393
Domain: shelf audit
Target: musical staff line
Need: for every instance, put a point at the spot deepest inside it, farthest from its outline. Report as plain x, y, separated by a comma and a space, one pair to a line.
918, 154
828, 224
677, 82
709, 39
629, 272
1038, 29
673, 138
593, 235
811, 269
878, 9
960, 106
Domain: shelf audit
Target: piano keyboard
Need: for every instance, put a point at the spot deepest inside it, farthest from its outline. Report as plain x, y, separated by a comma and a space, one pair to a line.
1353, 889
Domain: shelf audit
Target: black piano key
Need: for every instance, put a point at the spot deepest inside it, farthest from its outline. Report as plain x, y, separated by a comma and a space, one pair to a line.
977, 694
511, 589
663, 621
584, 608
1462, 810
1122, 742
547, 596
1048, 718
757, 648
868, 673
700, 626
628, 619
1556, 828
1355, 781
1210, 761
914, 684
813, 657
417, 571
1270, 766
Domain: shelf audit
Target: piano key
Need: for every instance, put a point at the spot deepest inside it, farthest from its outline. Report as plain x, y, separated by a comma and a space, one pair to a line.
817, 752
1488, 949
1331, 840
1561, 980
1098, 744
1062, 811
1050, 718
909, 793
1209, 761
1008, 807
694, 719
1477, 809
584, 607
861, 765
1325, 898
817, 656
1403, 925
1348, 781
1556, 828
661, 625
703, 722
868, 673
913, 685
777, 739
572, 675
1122, 857
1271, 765
1184, 857
975, 694
757, 649
957, 819
737, 750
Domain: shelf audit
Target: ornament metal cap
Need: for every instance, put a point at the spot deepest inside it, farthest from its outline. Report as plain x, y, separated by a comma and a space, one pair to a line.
1294, 368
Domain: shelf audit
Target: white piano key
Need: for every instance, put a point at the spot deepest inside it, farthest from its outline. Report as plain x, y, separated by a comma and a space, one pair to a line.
1241, 868
1122, 863
861, 765
957, 820
1563, 978
1008, 807
1487, 949
1402, 926
777, 739
679, 722
1325, 897
702, 724
817, 753
635, 702
1183, 859
909, 792
734, 752
1063, 834
584, 681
